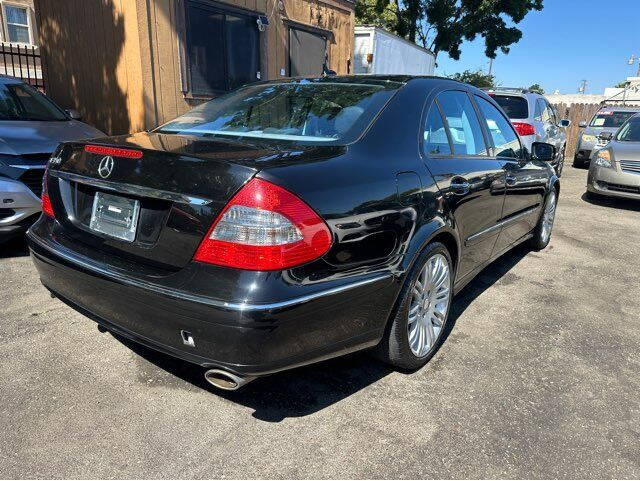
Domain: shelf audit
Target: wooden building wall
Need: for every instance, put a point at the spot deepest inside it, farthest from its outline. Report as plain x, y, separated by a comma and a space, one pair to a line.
91, 57
118, 62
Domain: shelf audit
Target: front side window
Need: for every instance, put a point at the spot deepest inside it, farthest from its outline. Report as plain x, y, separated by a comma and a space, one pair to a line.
436, 141
23, 102
505, 139
542, 113
308, 111
630, 132
17, 20
464, 127
222, 50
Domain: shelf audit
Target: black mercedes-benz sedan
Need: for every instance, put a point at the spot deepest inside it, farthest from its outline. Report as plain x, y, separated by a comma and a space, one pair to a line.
291, 221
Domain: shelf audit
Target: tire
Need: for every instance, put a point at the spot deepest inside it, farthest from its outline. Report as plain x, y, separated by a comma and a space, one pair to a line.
431, 316
578, 163
542, 232
560, 163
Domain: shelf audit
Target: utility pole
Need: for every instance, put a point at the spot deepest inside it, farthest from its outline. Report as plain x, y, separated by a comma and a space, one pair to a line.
583, 87
490, 65
631, 62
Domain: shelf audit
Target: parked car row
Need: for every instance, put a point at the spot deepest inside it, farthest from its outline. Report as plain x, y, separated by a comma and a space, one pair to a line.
615, 166
606, 120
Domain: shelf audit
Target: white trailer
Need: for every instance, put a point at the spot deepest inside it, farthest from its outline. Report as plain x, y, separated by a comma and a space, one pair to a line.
380, 52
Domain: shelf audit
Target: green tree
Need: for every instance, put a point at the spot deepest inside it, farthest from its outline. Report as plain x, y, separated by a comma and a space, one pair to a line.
536, 88
442, 25
622, 85
478, 78
367, 13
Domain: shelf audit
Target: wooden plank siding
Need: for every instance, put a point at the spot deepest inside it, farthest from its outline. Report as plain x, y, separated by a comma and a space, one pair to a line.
576, 113
118, 62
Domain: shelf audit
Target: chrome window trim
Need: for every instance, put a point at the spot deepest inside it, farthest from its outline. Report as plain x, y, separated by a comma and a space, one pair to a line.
500, 224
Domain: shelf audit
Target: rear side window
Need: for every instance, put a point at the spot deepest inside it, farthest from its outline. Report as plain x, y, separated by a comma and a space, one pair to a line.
436, 141
464, 127
504, 137
514, 107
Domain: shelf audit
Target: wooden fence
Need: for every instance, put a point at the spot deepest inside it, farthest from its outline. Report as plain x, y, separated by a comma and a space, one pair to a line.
576, 113
22, 62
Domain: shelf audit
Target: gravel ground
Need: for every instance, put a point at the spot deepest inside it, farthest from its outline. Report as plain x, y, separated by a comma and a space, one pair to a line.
539, 378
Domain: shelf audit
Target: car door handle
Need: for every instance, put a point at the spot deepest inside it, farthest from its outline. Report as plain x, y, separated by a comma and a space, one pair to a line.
459, 185
511, 179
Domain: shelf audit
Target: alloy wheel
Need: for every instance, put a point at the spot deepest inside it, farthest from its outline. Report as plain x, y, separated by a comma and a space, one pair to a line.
548, 217
430, 297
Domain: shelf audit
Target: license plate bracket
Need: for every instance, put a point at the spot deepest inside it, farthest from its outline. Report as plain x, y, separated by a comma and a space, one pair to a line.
115, 216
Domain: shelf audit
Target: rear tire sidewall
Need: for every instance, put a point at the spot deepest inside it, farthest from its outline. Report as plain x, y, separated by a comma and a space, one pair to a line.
537, 241
394, 347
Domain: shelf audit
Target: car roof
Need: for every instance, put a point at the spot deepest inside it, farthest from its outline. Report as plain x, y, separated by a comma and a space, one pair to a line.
6, 79
403, 79
619, 108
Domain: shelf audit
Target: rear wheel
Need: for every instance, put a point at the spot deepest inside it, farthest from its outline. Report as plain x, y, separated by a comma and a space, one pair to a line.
415, 332
542, 232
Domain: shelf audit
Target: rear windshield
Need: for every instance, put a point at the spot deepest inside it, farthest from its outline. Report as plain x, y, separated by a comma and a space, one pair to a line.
610, 119
630, 132
314, 112
515, 107
23, 102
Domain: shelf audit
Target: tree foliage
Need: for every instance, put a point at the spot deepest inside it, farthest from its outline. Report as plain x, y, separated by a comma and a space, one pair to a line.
536, 88
476, 78
442, 25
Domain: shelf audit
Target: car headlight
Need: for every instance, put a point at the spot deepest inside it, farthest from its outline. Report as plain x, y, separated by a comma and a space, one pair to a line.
603, 159
591, 139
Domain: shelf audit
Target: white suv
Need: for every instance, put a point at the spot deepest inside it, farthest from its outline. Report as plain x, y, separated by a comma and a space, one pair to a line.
534, 118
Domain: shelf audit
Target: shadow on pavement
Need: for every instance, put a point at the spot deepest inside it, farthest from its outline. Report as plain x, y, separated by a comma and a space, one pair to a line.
614, 202
14, 247
306, 390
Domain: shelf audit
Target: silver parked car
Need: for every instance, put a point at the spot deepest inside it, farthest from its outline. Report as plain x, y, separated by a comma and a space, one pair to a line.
615, 169
607, 119
535, 119
31, 127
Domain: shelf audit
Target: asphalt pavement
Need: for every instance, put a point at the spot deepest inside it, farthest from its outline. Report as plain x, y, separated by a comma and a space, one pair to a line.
539, 378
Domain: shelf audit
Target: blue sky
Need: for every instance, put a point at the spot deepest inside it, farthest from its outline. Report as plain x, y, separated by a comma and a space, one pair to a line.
569, 40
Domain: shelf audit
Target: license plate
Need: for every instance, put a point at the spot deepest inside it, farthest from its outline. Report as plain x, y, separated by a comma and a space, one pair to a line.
115, 216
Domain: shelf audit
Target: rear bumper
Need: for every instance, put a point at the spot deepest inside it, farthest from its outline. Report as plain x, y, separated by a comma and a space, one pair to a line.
248, 339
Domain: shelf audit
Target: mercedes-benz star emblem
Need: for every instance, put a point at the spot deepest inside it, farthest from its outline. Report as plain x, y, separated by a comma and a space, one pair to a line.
106, 166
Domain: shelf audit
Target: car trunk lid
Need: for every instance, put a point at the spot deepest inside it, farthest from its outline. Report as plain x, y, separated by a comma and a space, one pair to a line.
178, 187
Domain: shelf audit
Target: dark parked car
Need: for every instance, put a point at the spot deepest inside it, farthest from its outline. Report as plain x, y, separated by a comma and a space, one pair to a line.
288, 222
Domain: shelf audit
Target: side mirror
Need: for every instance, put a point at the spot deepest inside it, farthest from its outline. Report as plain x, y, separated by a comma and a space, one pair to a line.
605, 136
74, 114
565, 123
543, 151
582, 124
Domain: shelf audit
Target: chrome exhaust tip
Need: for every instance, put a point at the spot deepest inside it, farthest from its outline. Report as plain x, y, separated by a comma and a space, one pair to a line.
226, 380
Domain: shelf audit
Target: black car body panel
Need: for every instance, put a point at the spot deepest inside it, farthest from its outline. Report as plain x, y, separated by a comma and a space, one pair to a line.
381, 197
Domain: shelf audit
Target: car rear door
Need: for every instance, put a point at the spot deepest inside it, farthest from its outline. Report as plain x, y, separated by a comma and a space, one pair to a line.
470, 180
526, 180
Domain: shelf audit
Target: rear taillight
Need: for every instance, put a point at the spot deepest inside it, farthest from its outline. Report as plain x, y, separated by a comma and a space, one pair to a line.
263, 228
46, 201
524, 128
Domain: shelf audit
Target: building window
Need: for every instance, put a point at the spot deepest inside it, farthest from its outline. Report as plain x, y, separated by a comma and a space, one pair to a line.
222, 49
17, 24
